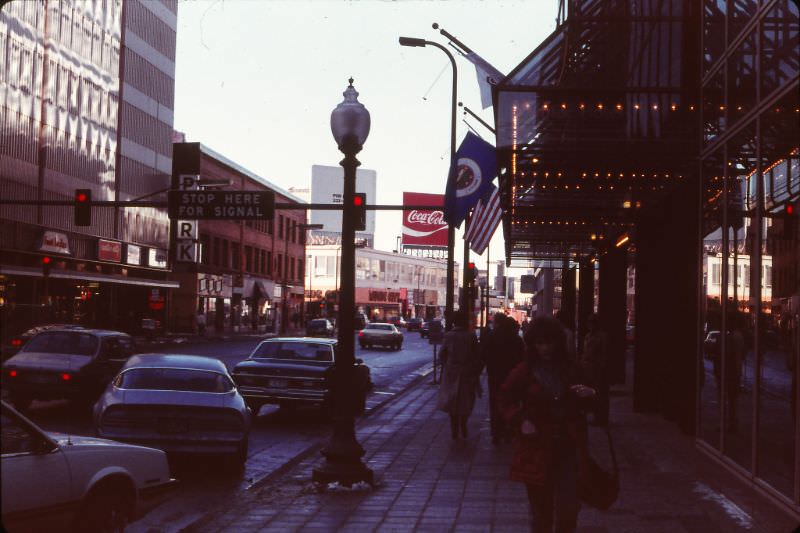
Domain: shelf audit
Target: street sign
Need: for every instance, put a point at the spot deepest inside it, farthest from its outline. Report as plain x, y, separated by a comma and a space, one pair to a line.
221, 205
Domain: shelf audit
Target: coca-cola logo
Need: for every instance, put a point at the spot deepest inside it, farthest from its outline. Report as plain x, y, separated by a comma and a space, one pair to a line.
426, 217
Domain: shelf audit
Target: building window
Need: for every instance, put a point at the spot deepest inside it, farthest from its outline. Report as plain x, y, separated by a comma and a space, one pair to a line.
270, 226
269, 263
280, 226
225, 256
291, 270
248, 258
279, 265
300, 273
236, 256
215, 257
715, 273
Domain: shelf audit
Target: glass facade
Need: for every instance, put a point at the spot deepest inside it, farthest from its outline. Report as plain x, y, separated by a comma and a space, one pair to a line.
750, 302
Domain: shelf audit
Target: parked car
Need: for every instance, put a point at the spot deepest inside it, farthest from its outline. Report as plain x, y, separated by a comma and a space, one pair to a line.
76, 364
376, 334
16, 342
177, 403
397, 321
320, 327
414, 324
54, 482
424, 329
712, 345
294, 371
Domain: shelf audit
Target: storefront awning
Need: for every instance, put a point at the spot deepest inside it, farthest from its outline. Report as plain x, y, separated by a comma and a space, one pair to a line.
88, 276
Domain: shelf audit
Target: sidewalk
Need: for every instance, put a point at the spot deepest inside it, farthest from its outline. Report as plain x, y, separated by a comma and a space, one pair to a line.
427, 482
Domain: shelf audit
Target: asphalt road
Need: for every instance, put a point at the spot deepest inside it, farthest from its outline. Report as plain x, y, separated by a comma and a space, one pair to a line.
276, 435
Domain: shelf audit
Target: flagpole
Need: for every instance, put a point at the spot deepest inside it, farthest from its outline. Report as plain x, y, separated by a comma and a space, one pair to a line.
486, 294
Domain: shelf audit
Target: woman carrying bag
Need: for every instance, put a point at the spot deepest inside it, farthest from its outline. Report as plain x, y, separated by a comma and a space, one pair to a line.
544, 399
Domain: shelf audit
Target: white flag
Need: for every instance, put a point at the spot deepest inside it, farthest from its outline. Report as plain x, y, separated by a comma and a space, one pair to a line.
487, 76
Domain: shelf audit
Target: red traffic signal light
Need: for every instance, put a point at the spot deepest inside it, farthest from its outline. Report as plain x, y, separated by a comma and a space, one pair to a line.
789, 209
83, 207
360, 211
471, 265
46, 262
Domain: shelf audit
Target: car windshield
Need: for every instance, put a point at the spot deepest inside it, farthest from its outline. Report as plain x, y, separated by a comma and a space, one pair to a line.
382, 327
318, 323
300, 351
63, 342
177, 379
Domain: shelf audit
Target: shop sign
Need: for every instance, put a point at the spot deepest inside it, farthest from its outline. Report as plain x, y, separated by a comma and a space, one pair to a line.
214, 286
109, 250
155, 300
379, 296
424, 227
157, 258
54, 241
133, 254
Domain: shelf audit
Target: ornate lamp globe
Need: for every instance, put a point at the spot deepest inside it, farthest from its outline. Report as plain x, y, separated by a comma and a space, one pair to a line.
350, 121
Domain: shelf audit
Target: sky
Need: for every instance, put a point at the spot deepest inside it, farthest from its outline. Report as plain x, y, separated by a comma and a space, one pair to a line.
256, 81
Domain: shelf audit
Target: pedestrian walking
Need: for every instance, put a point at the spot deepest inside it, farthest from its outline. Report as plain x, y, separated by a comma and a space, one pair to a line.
569, 332
460, 380
594, 363
501, 351
201, 323
544, 398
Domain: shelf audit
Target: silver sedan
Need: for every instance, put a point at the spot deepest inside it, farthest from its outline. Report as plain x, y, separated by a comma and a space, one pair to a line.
177, 403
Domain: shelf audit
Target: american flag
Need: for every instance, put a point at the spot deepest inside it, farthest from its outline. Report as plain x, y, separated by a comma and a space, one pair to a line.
484, 221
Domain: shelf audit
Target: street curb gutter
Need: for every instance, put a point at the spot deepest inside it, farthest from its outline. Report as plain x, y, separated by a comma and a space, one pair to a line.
418, 376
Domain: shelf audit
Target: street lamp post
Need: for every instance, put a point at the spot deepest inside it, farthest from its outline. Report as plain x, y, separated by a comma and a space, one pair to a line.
451, 230
350, 125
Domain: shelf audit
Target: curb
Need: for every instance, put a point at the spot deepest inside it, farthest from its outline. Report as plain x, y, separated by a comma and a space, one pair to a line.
411, 380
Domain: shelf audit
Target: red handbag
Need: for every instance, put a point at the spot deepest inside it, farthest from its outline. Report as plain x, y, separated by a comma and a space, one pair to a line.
596, 487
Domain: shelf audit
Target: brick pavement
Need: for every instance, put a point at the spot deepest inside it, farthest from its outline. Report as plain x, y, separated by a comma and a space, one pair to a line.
427, 482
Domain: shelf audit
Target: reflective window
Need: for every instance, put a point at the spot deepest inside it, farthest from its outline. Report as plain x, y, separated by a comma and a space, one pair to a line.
63, 342
175, 379
15, 437
299, 351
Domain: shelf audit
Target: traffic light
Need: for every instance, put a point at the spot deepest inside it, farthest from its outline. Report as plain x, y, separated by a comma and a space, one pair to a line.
83, 207
471, 273
46, 262
360, 211
789, 222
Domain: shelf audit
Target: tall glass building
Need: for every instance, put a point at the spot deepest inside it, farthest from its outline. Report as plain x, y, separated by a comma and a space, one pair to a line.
86, 102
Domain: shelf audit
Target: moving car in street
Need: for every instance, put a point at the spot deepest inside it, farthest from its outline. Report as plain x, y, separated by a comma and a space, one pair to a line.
414, 324
294, 371
377, 334
53, 482
69, 363
320, 327
177, 403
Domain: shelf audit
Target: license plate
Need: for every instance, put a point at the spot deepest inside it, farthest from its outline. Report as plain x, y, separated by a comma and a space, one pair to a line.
170, 425
278, 383
40, 378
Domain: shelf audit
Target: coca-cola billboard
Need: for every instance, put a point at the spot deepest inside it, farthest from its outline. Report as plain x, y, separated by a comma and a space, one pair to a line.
424, 227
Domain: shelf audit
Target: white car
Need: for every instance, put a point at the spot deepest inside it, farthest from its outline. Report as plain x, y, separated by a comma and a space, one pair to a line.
53, 482
177, 403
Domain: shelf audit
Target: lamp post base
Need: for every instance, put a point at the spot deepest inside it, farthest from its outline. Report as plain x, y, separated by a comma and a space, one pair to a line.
343, 458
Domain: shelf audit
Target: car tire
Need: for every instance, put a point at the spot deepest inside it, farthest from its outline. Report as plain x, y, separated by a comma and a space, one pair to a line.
240, 458
108, 508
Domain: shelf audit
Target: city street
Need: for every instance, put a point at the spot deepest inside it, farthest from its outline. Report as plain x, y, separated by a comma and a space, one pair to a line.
277, 435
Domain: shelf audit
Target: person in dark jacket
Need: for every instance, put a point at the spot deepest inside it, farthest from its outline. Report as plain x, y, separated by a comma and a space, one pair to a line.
461, 377
594, 362
544, 399
502, 350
